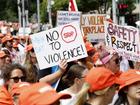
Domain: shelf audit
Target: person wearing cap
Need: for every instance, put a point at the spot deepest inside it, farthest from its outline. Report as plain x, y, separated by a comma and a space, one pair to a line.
8, 59
2, 64
129, 92
41, 94
31, 64
7, 42
102, 86
110, 60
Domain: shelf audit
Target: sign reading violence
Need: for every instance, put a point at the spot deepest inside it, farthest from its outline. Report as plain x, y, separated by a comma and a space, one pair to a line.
64, 42
65, 17
125, 39
93, 26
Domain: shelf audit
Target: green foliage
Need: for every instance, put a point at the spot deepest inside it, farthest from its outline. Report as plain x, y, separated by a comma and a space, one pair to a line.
43, 11
9, 9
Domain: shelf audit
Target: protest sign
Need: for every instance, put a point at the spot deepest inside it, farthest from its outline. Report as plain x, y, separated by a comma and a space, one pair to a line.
124, 39
64, 42
65, 17
93, 26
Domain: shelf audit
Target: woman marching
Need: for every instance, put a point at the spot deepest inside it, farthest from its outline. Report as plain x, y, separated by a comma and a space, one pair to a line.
129, 93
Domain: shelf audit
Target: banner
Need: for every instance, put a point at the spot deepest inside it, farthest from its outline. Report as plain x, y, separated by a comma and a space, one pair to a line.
124, 39
93, 26
65, 17
64, 42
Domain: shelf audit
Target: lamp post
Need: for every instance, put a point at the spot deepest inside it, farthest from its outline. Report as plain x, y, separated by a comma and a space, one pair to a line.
23, 16
114, 11
38, 13
49, 12
19, 11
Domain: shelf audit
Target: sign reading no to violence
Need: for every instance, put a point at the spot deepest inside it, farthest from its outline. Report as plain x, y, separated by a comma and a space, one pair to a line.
64, 42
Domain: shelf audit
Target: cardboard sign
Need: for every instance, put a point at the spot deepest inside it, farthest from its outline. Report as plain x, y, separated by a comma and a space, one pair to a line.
64, 42
124, 39
93, 26
65, 17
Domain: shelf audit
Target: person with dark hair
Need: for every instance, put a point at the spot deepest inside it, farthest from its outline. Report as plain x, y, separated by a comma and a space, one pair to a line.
13, 73
2, 64
73, 80
8, 59
129, 92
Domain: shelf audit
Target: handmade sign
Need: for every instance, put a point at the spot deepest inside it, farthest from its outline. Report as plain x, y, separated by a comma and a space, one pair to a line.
64, 42
93, 26
124, 39
65, 17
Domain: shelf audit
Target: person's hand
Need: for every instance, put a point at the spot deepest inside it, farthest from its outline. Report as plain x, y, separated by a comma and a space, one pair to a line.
63, 65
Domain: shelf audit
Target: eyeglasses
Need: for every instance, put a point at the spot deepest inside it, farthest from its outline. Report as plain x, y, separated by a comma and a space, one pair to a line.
16, 79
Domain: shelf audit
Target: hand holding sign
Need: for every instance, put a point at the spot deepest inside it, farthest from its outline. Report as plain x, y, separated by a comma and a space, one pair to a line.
63, 65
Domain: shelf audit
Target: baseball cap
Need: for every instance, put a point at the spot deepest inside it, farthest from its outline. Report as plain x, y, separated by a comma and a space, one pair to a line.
89, 46
129, 77
6, 38
100, 78
5, 97
17, 88
107, 54
2, 54
40, 94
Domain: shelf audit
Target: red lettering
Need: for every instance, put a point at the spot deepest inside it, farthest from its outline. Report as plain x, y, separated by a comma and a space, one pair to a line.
68, 34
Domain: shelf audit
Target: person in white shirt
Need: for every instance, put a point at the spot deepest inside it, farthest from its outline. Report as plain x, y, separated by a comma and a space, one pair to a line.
74, 78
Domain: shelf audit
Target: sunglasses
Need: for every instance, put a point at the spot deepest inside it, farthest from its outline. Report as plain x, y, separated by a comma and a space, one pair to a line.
117, 60
16, 79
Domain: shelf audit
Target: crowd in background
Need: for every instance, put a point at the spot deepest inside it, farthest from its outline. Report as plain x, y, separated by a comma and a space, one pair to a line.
102, 78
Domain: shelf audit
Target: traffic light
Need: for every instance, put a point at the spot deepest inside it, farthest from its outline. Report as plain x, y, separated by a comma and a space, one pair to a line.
122, 9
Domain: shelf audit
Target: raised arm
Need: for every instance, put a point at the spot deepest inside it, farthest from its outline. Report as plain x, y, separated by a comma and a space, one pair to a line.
55, 76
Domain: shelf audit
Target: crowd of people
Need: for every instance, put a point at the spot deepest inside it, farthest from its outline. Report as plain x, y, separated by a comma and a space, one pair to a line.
102, 78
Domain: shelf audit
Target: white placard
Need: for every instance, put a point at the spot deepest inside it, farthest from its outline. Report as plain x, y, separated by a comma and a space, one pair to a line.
64, 42
65, 17
124, 39
93, 26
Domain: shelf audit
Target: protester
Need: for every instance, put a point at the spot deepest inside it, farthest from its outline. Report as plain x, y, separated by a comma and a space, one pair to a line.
103, 84
31, 64
13, 73
41, 94
55, 76
8, 59
2, 64
7, 44
74, 80
129, 91
111, 60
